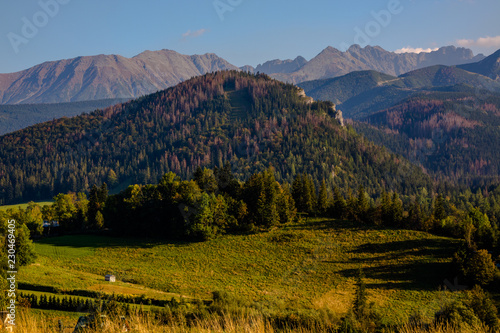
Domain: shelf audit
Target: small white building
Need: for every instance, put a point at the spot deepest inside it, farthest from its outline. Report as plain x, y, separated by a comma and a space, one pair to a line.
110, 278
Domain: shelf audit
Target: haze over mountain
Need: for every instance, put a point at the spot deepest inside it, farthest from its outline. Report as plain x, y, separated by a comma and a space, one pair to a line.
105, 76
332, 62
14, 117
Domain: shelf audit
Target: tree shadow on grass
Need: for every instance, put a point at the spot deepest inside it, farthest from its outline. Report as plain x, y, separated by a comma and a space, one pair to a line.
409, 265
413, 276
438, 248
100, 241
328, 223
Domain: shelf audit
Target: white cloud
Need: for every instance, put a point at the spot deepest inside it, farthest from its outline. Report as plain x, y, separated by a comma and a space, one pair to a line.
488, 42
193, 34
414, 50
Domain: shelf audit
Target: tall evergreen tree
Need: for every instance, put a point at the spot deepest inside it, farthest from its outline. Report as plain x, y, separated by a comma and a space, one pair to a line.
323, 200
362, 204
339, 204
439, 208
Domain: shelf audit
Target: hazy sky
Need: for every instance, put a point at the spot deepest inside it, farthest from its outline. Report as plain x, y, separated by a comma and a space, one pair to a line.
241, 31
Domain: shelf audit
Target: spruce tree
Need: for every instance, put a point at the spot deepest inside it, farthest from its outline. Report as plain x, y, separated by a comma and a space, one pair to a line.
339, 204
362, 204
439, 209
323, 200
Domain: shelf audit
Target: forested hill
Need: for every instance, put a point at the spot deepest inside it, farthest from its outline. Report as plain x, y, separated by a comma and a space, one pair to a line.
250, 121
452, 133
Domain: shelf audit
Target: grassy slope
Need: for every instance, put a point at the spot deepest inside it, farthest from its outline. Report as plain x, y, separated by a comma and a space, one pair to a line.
307, 265
24, 205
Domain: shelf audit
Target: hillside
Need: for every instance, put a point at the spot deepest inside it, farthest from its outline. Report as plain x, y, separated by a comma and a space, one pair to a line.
443, 118
451, 133
308, 266
332, 62
360, 94
250, 121
340, 89
104, 77
18, 116
489, 67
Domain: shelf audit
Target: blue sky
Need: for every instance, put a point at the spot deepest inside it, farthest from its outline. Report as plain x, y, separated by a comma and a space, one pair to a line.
241, 31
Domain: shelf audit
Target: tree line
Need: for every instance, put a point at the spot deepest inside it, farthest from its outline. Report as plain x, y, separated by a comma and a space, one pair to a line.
215, 202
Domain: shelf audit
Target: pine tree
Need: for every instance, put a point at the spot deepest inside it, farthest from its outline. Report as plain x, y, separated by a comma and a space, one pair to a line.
360, 300
362, 204
397, 210
304, 193
96, 204
339, 204
323, 200
415, 216
439, 209
386, 208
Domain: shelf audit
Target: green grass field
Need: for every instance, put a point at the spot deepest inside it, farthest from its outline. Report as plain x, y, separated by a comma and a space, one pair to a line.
312, 264
24, 205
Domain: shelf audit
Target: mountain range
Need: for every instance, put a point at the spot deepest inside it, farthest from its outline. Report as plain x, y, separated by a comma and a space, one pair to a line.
114, 76
444, 118
104, 77
332, 62
363, 92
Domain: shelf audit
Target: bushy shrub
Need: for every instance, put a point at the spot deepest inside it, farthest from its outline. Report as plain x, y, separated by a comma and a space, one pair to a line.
474, 310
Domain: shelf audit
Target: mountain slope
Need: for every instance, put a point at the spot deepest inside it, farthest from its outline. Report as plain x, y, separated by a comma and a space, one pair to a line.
18, 116
332, 62
250, 121
340, 89
452, 134
359, 94
489, 67
104, 77
281, 66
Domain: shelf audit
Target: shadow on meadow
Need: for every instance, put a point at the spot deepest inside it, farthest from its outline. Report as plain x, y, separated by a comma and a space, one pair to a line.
309, 223
409, 265
99, 241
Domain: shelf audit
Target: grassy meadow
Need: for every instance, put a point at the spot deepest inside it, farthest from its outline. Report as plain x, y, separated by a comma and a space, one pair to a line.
24, 205
307, 265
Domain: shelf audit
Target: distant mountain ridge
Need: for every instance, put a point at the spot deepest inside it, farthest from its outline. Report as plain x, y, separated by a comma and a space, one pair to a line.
445, 118
114, 76
333, 63
361, 93
489, 66
105, 76
281, 66
14, 117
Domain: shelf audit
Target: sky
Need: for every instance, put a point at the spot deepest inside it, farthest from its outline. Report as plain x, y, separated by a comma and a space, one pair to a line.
244, 32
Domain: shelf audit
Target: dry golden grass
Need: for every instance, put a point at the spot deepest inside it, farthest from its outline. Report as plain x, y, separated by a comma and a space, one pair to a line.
442, 328
28, 323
